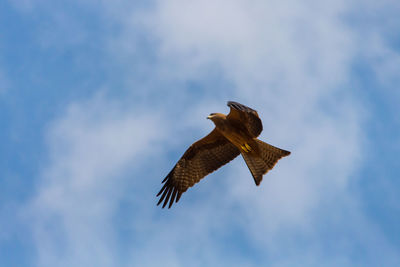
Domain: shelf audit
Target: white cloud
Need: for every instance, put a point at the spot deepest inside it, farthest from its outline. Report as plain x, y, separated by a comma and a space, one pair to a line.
287, 59
90, 147
256, 42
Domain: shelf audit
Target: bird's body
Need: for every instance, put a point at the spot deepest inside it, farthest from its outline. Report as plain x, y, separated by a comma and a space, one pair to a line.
234, 134
232, 131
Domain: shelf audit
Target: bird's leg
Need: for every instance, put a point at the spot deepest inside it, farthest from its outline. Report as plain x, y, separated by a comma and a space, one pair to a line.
246, 147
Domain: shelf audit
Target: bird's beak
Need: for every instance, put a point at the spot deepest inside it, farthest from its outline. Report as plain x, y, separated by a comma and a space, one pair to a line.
209, 117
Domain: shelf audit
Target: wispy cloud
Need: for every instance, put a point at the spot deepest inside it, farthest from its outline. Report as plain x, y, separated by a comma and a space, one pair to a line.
90, 148
288, 60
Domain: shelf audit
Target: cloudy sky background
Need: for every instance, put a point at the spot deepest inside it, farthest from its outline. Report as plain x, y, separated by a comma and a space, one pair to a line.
99, 99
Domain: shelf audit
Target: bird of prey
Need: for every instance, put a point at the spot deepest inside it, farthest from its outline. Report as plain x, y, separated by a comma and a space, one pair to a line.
234, 134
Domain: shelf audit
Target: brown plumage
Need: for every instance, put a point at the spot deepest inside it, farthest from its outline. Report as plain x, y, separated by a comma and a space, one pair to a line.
233, 134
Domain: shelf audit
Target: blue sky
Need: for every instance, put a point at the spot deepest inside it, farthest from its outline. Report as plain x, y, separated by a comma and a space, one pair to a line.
99, 99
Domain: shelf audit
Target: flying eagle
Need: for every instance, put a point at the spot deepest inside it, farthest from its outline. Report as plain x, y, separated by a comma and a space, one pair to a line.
234, 134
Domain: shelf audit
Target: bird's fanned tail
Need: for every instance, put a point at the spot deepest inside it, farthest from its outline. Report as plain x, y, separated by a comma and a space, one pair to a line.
263, 159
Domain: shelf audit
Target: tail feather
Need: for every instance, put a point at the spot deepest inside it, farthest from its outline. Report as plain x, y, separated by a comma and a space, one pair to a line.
263, 159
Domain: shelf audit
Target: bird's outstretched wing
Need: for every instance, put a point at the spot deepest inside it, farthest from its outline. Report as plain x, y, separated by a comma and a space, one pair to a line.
201, 158
245, 116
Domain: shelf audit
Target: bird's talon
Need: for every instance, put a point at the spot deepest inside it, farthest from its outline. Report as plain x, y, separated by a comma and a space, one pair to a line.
248, 147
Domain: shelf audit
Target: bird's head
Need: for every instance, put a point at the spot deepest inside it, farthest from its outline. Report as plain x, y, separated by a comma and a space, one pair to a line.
216, 116
212, 115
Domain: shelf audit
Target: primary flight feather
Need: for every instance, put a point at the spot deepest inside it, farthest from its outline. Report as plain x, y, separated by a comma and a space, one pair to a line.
234, 134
